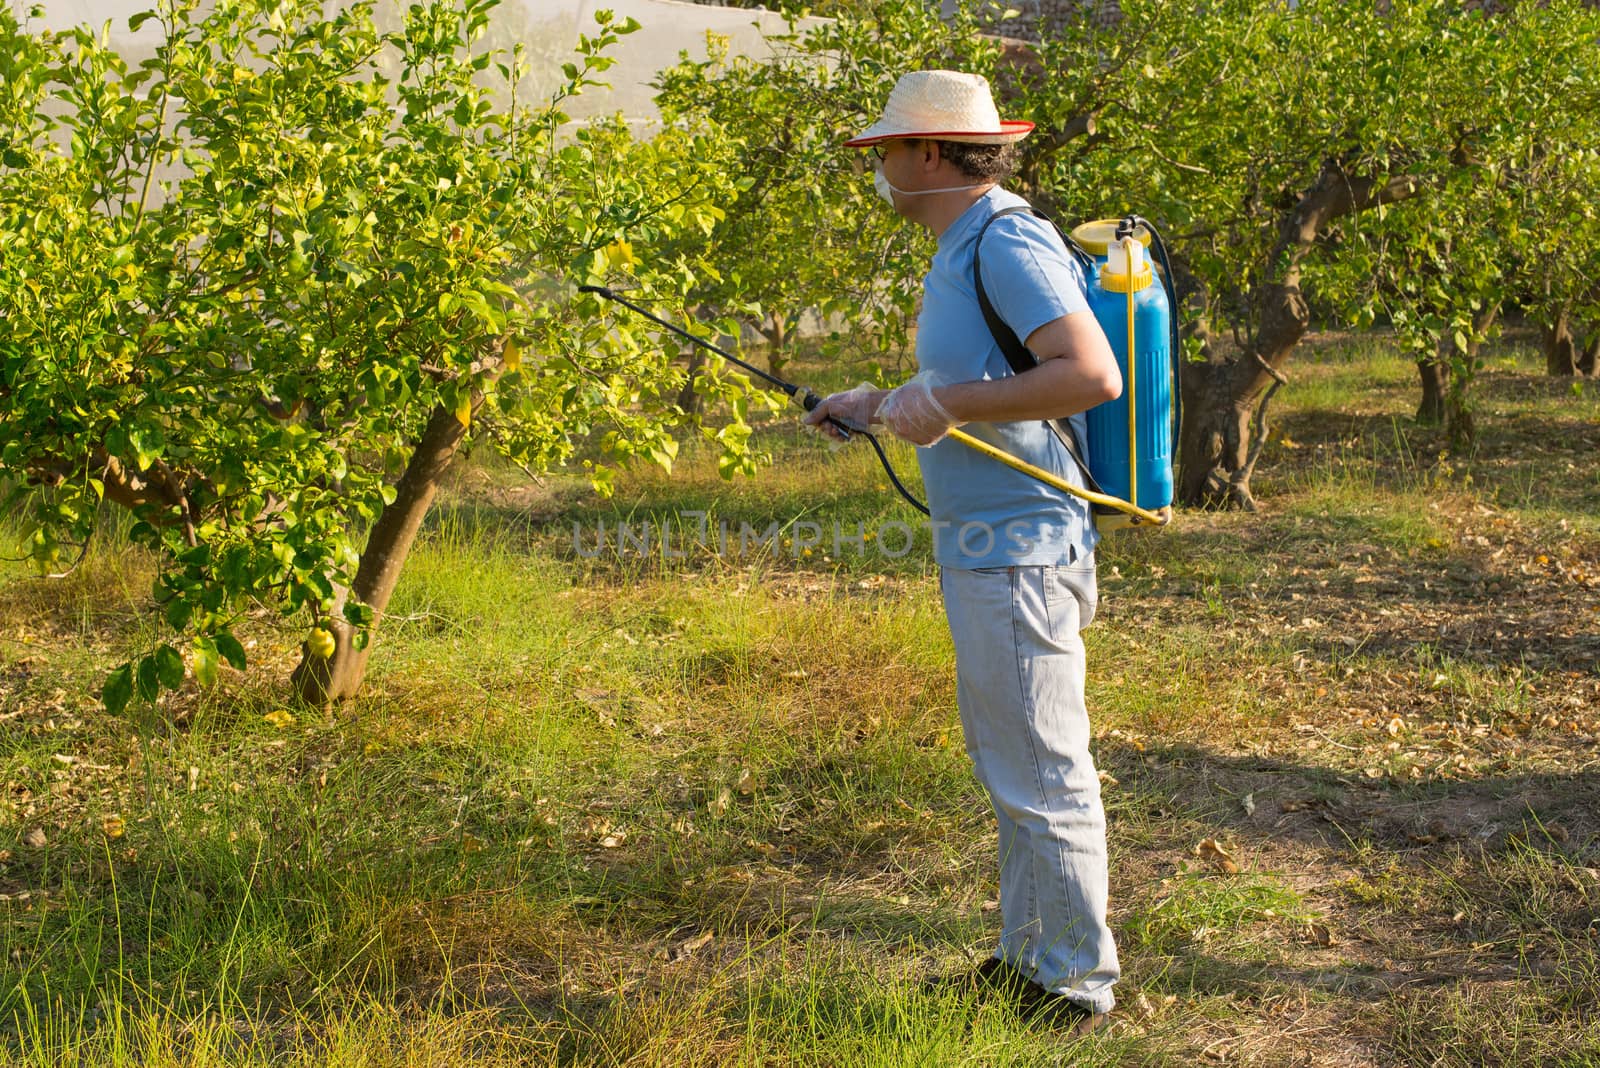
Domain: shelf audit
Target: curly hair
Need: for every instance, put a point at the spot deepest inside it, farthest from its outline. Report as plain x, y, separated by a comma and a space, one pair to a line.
985, 163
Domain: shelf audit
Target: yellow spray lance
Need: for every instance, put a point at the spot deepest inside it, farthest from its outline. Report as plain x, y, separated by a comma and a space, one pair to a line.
1138, 516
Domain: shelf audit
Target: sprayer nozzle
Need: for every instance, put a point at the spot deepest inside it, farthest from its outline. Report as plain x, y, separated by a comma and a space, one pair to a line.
602, 290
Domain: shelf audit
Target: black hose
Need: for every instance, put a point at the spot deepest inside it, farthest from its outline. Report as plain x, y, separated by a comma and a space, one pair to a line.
808, 399
888, 469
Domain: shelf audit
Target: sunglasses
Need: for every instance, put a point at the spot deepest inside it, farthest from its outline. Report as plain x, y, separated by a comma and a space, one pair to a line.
882, 148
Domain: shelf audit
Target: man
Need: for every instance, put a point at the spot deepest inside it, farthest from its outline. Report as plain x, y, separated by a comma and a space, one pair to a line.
1016, 556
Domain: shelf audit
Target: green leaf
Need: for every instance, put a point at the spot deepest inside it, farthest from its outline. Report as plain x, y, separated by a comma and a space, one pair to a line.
231, 650
178, 613
169, 666
147, 679
118, 690
205, 661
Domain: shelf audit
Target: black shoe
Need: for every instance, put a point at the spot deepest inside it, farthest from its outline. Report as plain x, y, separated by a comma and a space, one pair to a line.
1037, 1005
992, 977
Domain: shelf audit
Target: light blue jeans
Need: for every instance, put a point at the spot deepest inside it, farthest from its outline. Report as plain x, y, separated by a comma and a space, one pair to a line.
1019, 671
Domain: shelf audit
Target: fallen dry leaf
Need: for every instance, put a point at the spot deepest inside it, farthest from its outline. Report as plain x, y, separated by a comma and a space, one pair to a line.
719, 804
1321, 934
34, 838
692, 946
279, 718
603, 703
112, 825
1219, 858
746, 785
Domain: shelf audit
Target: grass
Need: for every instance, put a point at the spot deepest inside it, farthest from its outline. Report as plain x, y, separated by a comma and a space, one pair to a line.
629, 807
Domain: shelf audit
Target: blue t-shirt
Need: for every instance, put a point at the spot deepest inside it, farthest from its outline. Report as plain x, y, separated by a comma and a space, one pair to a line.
985, 514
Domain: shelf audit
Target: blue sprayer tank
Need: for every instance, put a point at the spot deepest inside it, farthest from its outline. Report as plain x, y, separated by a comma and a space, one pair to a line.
1131, 459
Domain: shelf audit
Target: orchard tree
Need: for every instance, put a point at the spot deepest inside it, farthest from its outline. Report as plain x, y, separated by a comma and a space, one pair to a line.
1276, 144
1258, 171
260, 288
1284, 149
1448, 279
1558, 251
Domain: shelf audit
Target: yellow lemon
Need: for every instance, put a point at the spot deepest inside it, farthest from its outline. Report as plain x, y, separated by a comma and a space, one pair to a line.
320, 643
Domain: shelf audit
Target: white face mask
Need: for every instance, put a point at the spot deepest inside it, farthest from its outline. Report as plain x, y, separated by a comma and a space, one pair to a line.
887, 191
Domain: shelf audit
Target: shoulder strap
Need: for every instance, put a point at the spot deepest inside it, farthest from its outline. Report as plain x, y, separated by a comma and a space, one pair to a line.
1016, 353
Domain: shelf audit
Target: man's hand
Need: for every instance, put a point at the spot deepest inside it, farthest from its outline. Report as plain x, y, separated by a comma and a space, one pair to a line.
914, 414
856, 409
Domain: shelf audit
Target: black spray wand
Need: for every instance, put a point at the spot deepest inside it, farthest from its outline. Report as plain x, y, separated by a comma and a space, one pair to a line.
803, 396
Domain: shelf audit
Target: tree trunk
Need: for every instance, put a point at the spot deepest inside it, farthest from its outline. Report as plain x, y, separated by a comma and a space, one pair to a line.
1589, 358
689, 401
1462, 364
1216, 442
320, 682
1561, 351
1435, 383
1215, 454
776, 331
1216, 432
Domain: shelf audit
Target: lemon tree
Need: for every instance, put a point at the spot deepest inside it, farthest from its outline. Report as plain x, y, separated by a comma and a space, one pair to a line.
260, 288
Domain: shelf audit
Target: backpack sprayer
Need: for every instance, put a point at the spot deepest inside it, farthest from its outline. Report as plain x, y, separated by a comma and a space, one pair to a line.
1132, 439
1129, 460
1128, 465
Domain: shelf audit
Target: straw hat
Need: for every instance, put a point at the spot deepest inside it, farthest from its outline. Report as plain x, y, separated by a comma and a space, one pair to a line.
945, 105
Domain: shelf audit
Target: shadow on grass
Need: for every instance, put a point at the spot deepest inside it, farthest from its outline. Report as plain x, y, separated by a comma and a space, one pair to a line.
1330, 807
1526, 424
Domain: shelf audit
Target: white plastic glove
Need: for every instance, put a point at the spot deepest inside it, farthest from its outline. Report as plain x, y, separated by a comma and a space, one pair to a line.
856, 408
912, 412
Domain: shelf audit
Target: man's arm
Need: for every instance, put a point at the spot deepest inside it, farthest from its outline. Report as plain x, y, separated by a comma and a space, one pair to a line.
1076, 371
